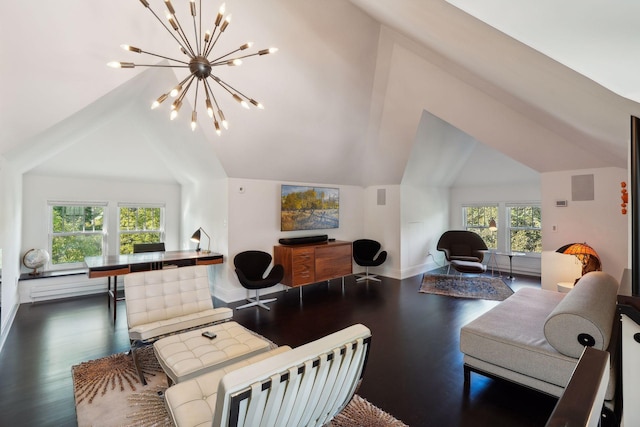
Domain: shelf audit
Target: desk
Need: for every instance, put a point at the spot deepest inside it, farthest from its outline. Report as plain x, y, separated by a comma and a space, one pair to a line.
116, 265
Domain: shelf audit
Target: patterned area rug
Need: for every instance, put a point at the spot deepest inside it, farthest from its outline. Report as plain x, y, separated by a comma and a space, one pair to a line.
479, 287
108, 393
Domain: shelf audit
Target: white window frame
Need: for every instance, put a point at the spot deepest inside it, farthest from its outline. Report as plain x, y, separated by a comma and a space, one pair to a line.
51, 234
466, 226
508, 227
161, 230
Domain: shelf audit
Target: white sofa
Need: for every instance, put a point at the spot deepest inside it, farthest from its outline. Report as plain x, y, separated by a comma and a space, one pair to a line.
164, 302
535, 337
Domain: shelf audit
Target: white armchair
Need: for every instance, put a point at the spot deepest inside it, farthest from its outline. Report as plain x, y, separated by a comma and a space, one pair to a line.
306, 386
164, 302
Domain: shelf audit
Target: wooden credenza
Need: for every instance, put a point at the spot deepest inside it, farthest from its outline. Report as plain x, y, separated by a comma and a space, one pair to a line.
315, 262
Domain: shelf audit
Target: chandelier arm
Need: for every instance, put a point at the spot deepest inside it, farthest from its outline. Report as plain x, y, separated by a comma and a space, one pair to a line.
221, 83
215, 101
215, 61
169, 30
186, 89
195, 98
213, 43
205, 49
183, 35
230, 88
161, 65
165, 57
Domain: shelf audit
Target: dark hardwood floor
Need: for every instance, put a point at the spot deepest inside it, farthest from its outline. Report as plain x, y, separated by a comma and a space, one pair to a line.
414, 370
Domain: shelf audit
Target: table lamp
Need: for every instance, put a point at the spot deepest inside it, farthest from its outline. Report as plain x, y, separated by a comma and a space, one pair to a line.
196, 238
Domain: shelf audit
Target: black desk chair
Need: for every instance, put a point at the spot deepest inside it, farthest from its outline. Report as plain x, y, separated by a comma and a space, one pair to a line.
251, 267
139, 248
364, 254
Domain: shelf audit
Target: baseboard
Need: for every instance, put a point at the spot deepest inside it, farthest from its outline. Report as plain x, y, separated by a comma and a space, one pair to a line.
6, 328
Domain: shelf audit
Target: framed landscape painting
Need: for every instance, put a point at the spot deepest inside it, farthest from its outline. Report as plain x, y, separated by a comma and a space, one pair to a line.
309, 208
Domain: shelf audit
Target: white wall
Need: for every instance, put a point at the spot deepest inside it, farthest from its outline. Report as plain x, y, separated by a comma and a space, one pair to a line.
254, 223
599, 223
382, 223
206, 204
10, 234
425, 216
38, 190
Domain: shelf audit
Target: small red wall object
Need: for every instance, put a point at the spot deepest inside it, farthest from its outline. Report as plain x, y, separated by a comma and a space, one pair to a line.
625, 197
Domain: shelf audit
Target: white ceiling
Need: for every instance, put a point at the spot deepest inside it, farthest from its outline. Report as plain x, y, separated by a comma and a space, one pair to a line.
596, 38
336, 94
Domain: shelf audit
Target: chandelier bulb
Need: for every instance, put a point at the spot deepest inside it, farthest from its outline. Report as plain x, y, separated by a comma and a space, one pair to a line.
225, 24
144, 3
116, 64
209, 108
234, 62
170, 7
131, 48
175, 91
223, 119
268, 51
194, 120
256, 103
246, 45
159, 101
220, 14
192, 5
176, 107
173, 115
217, 125
207, 36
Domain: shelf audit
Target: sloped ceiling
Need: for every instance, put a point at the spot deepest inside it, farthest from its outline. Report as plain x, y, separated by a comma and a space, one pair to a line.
334, 92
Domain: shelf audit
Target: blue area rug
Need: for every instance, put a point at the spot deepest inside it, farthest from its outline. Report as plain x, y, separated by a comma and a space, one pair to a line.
478, 287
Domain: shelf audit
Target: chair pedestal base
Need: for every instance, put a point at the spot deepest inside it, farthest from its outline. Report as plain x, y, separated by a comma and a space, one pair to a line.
367, 276
257, 302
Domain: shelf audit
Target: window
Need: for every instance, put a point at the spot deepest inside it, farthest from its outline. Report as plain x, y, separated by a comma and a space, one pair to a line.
477, 218
525, 228
76, 231
140, 224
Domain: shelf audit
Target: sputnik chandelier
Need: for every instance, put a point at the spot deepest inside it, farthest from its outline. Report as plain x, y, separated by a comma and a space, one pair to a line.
199, 65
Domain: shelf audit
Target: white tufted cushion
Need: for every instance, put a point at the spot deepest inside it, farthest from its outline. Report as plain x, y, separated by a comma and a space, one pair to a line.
193, 402
189, 354
161, 302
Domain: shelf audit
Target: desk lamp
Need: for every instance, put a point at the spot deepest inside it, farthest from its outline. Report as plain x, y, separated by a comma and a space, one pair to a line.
196, 238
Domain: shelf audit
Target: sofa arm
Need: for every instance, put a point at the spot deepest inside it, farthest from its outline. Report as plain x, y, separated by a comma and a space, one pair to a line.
584, 317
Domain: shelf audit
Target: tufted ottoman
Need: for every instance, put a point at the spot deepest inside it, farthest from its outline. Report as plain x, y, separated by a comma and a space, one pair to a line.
189, 354
468, 266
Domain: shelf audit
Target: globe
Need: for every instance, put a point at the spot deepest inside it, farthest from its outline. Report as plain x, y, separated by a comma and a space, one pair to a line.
35, 258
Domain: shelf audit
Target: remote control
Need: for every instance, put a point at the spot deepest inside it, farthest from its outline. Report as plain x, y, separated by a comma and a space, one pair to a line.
209, 335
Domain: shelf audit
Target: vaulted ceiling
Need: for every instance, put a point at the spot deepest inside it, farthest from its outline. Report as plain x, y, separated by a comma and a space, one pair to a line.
344, 96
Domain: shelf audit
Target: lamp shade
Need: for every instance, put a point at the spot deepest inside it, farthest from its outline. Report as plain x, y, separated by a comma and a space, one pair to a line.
492, 225
586, 254
197, 236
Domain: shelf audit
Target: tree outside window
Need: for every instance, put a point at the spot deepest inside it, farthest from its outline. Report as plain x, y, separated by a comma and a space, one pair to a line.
477, 218
77, 231
140, 225
525, 228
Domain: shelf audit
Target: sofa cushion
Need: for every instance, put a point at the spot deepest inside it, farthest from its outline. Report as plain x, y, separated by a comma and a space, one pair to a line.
511, 335
585, 316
